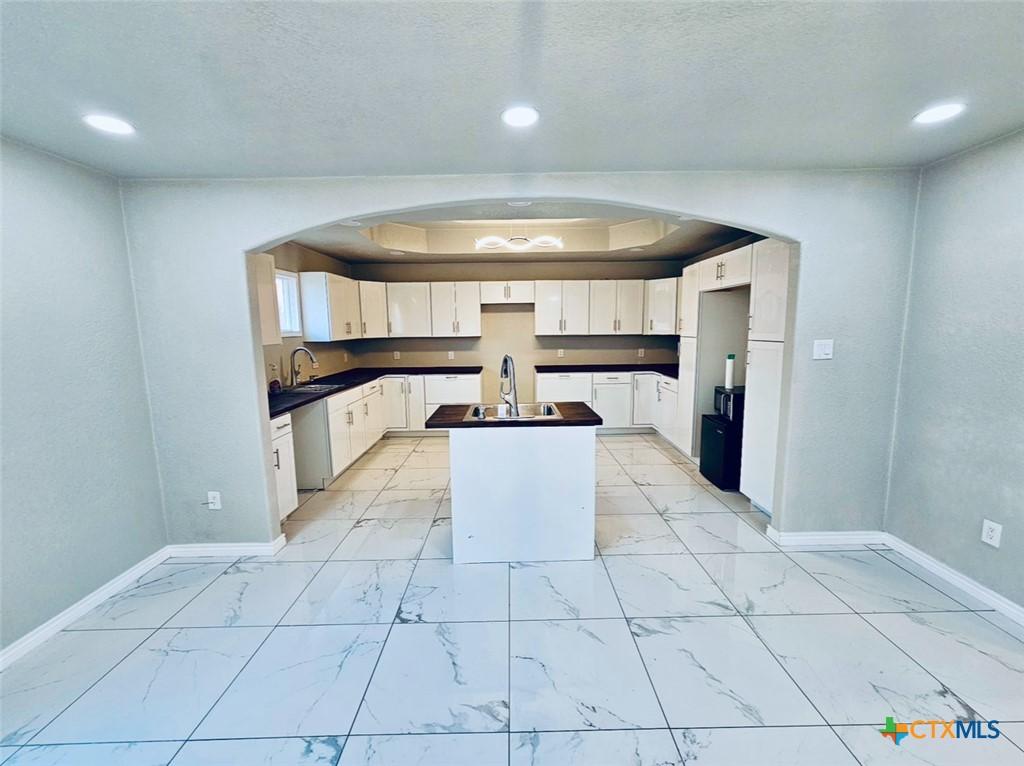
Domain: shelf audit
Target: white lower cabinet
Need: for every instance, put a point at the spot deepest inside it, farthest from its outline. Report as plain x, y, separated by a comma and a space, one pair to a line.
645, 397
613, 401
687, 395
283, 453
665, 407
564, 387
450, 389
416, 402
396, 409
761, 407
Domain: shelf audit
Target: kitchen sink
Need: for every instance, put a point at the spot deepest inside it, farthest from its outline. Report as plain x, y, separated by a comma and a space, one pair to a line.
541, 411
311, 388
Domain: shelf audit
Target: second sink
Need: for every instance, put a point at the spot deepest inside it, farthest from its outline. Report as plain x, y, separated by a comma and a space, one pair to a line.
540, 411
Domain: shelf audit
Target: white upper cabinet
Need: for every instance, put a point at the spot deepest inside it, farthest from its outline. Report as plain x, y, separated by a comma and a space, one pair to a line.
506, 292
616, 306
455, 309
689, 301
729, 270
562, 307
769, 288
660, 307
266, 298
408, 309
373, 306
330, 307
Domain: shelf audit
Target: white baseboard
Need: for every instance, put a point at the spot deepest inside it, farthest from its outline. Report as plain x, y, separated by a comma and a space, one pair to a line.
83, 606
969, 586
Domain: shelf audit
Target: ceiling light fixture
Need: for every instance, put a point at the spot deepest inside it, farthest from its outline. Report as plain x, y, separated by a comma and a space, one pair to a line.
636, 249
107, 123
352, 223
518, 243
520, 116
939, 113
396, 252
519, 203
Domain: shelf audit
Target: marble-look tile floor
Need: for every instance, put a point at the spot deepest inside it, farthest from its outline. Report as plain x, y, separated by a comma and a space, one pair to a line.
690, 639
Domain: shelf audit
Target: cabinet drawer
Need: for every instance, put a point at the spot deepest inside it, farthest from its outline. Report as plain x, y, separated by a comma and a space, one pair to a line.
370, 388
612, 377
280, 426
564, 387
451, 389
343, 400
669, 384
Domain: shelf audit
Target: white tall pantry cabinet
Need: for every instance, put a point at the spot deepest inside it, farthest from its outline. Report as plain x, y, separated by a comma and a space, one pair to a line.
761, 421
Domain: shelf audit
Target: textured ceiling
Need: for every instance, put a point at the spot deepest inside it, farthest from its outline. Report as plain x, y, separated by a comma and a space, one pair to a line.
243, 89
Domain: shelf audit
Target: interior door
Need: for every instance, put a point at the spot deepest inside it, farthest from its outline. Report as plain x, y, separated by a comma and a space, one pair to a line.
630, 303
467, 309
408, 309
373, 306
442, 309
762, 401
547, 315
604, 317
575, 307
769, 287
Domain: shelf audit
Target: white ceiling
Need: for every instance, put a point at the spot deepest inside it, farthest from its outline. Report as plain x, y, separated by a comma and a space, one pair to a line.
685, 239
243, 89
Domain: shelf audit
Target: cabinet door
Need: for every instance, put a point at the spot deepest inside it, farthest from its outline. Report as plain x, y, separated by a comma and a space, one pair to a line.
686, 403
629, 306
357, 430
769, 287
665, 413
408, 309
373, 306
265, 277
604, 317
711, 273
689, 301
494, 292
575, 307
339, 424
762, 402
644, 398
614, 403
564, 387
396, 413
343, 307
416, 402
547, 315
373, 409
284, 474
520, 292
451, 389
661, 306
736, 267
442, 309
467, 309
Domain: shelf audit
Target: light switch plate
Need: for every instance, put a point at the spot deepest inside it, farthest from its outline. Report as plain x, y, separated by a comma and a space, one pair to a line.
397, 355
451, 354
823, 349
213, 500
991, 533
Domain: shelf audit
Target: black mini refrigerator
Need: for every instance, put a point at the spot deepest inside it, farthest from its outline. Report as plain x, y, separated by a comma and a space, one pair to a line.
721, 441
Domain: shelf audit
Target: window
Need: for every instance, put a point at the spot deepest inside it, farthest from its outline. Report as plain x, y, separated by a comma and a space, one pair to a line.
288, 312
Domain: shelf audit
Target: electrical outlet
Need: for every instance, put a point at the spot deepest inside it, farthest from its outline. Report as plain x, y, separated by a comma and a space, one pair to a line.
346, 358
451, 354
640, 353
397, 355
991, 533
213, 500
561, 353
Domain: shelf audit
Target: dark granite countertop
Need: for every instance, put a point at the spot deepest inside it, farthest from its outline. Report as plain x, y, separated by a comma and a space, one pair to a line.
668, 370
293, 398
573, 414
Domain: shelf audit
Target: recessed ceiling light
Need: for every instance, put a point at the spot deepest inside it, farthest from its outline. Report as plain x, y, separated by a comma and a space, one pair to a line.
520, 116
109, 124
636, 249
939, 113
351, 223
396, 252
520, 203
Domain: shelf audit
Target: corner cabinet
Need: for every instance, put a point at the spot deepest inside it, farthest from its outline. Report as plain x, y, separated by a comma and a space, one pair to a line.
660, 307
330, 307
455, 309
408, 309
562, 307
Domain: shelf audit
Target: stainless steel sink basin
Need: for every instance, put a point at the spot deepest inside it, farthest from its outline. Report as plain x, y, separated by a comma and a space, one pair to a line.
541, 411
310, 388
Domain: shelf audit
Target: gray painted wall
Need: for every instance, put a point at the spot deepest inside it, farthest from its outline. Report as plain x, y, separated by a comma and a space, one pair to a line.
81, 497
959, 444
188, 240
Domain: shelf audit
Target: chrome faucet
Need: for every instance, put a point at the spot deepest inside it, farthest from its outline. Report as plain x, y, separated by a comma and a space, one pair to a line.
295, 368
508, 372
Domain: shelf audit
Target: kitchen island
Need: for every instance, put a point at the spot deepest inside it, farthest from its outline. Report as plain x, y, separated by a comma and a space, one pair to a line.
523, 489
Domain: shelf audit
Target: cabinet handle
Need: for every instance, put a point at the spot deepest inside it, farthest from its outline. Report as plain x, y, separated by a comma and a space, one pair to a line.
348, 417
277, 458
652, 324
565, 376
366, 408
451, 377
458, 326
506, 292
363, 324
389, 327
283, 425
748, 357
